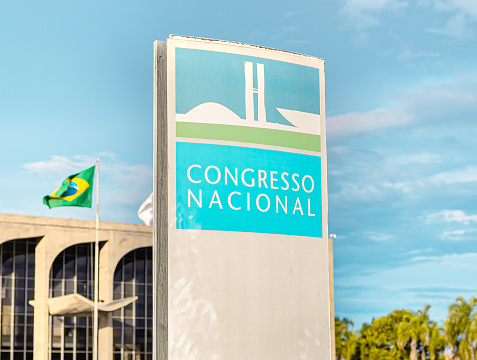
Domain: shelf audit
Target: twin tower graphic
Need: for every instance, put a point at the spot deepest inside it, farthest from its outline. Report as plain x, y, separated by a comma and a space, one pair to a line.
255, 110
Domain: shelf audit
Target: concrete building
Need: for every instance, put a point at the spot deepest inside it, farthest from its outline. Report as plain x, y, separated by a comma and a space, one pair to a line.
43, 259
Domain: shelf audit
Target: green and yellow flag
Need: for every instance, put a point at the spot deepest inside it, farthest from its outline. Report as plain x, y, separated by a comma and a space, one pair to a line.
76, 190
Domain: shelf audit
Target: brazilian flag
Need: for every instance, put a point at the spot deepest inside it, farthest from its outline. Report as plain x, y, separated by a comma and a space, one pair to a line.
76, 190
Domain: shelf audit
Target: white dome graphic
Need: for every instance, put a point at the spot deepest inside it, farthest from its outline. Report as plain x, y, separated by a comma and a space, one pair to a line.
211, 113
215, 113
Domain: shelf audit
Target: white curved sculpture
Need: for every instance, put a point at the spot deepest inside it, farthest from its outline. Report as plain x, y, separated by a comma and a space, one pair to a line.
78, 305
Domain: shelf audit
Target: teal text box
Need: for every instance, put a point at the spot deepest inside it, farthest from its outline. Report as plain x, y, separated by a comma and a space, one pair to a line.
243, 189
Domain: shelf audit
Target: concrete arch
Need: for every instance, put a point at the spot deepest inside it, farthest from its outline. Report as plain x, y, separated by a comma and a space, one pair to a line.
112, 252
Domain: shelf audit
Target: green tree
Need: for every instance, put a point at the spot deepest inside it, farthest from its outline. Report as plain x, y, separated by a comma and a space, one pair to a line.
415, 332
410, 331
435, 340
451, 336
403, 334
345, 339
425, 330
380, 340
461, 328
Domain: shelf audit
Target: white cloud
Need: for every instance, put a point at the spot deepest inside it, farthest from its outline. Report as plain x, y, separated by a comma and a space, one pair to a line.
375, 177
378, 236
467, 6
457, 27
365, 13
409, 54
59, 166
467, 175
463, 13
365, 192
418, 158
432, 105
109, 166
290, 28
398, 186
289, 14
453, 235
389, 176
338, 149
424, 2
457, 216
380, 174
362, 40
451, 216
355, 123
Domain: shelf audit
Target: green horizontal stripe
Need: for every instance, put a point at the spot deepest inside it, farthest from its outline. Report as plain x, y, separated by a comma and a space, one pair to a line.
247, 134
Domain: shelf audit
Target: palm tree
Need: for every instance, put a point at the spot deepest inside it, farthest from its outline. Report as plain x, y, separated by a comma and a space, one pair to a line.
424, 330
345, 339
461, 328
434, 341
451, 337
409, 329
416, 328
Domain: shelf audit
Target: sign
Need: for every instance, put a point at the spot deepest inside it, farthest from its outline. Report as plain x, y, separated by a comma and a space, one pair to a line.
245, 227
234, 188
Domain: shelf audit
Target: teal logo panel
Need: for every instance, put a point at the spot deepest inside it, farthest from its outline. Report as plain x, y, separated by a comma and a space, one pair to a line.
209, 76
243, 189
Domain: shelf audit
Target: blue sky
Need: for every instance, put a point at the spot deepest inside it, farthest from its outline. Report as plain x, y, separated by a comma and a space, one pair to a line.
401, 102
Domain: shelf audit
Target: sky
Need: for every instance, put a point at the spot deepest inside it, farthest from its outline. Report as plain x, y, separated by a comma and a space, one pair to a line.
76, 84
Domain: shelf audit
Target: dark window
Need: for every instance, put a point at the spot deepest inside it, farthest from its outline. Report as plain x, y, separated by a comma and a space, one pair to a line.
17, 261
132, 330
71, 273
7, 263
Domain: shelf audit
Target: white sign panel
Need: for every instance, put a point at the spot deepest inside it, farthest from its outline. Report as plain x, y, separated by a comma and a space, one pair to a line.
246, 231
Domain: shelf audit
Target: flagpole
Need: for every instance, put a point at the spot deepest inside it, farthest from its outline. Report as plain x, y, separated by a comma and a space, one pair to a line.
96, 270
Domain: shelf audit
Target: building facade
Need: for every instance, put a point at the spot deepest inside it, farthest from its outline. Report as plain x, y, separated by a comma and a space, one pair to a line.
50, 258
